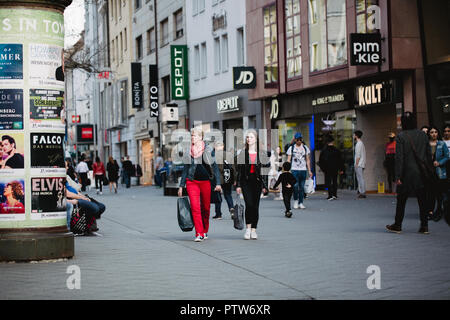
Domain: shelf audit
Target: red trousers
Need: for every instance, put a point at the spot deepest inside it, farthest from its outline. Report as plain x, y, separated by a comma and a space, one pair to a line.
199, 193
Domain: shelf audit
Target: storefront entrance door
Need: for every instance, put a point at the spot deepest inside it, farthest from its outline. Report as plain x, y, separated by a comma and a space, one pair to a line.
343, 134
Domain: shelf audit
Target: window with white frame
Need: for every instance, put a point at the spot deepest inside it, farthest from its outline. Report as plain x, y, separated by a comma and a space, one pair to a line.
164, 32
240, 46
224, 52
178, 19
217, 60
151, 44
203, 60
196, 62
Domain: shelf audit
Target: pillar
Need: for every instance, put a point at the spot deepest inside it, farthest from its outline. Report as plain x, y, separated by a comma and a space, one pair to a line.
33, 223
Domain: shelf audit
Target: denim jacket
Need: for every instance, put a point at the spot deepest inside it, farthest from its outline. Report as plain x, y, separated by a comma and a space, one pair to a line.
441, 156
189, 169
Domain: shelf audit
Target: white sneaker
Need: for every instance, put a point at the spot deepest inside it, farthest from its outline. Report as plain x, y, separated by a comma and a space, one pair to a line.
198, 239
205, 236
253, 235
302, 206
247, 234
295, 205
101, 192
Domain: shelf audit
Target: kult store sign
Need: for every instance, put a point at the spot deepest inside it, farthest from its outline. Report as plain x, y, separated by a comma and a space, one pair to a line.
179, 72
377, 93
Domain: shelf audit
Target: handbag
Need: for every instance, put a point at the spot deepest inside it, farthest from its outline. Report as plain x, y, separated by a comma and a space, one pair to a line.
105, 180
309, 186
184, 214
238, 218
428, 172
79, 223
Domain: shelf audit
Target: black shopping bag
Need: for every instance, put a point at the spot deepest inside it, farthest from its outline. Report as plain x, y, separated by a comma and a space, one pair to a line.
184, 214
238, 220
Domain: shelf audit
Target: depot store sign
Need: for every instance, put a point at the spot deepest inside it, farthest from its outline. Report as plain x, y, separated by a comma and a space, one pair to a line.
179, 72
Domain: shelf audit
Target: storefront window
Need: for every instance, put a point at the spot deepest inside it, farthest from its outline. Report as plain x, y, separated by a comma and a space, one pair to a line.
293, 44
270, 47
327, 34
364, 14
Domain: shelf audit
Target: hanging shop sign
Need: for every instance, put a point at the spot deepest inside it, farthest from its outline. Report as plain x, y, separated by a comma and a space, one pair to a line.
244, 77
136, 82
228, 104
170, 114
365, 49
85, 133
154, 91
179, 72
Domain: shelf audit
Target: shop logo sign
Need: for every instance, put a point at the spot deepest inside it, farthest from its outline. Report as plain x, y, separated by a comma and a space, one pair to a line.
244, 77
228, 104
275, 109
154, 91
179, 72
136, 79
365, 49
368, 95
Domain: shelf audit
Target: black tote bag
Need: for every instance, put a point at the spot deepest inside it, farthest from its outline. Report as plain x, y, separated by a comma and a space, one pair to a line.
184, 214
238, 220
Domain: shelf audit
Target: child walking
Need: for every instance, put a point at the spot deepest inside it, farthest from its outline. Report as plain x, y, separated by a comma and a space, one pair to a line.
287, 181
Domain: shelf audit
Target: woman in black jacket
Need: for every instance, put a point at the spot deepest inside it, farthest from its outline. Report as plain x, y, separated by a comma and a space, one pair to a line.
250, 182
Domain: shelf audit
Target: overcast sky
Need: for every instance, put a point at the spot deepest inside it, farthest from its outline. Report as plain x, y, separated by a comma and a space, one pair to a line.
73, 22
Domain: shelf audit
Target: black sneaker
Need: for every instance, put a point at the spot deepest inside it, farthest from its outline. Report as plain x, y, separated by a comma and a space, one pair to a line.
217, 217
330, 198
288, 214
393, 228
423, 230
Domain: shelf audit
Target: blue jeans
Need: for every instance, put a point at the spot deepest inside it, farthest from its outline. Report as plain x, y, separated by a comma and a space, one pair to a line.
299, 187
227, 195
92, 208
126, 179
69, 208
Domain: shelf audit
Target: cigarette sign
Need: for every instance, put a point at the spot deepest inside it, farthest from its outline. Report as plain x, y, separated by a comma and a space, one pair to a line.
179, 72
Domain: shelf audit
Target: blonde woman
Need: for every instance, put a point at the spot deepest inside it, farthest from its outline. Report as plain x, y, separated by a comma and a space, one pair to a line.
197, 177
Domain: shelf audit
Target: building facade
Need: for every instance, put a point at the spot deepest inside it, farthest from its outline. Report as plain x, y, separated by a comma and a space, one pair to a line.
316, 78
216, 40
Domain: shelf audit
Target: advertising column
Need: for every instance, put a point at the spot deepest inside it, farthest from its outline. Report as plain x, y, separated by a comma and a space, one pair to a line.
32, 131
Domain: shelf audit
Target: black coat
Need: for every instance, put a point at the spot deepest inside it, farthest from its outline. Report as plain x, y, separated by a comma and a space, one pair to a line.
330, 160
243, 171
406, 167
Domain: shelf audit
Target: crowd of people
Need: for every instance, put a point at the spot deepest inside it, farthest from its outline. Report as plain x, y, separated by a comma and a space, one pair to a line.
407, 155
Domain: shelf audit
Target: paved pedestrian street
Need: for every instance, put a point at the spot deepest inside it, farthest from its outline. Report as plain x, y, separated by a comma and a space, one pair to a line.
332, 250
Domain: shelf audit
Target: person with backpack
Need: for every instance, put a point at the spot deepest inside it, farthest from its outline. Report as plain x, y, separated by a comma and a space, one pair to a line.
332, 164
299, 157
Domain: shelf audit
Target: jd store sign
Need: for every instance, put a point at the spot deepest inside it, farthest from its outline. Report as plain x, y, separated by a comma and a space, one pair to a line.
179, 72
365, 49
244, 78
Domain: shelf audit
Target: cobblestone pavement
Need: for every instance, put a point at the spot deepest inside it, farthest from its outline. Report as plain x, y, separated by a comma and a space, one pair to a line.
323, 252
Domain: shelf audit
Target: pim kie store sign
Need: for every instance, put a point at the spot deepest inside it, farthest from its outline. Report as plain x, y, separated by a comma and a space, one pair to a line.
376, 93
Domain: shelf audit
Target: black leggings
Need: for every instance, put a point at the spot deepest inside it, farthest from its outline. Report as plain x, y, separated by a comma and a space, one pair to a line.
99, 182
252, 194
287, 195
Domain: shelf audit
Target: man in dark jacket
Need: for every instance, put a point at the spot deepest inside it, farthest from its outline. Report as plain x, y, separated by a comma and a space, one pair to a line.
127, 171
409, 178
331, 163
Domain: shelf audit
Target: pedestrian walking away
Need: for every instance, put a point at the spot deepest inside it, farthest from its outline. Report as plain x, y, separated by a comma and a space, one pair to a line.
127, 171
82, 170
159, 164
250, 183
389, 161
440, 156
287, 181
360, 163
299, 157
99, 173
113, 173
332, 164
199, 177
412, 152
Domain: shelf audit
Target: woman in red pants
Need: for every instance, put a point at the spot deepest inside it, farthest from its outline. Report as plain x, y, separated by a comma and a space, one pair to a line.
197, 177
